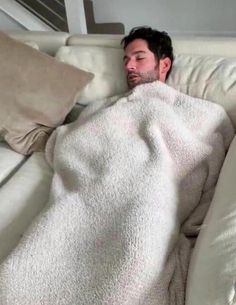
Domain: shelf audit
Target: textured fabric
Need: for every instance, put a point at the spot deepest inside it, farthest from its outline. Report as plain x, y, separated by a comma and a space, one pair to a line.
36, 93
128, 173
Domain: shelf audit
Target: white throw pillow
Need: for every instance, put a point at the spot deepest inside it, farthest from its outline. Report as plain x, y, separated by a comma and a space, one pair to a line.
106, 64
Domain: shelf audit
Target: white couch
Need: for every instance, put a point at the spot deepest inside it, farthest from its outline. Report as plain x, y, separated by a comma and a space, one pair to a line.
204, 67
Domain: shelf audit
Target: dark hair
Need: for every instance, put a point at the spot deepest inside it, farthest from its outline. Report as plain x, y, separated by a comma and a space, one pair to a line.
159, 43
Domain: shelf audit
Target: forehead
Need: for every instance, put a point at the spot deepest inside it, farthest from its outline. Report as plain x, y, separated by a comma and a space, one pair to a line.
137, 45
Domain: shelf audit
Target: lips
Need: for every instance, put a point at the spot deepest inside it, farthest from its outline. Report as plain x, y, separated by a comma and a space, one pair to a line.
132, 77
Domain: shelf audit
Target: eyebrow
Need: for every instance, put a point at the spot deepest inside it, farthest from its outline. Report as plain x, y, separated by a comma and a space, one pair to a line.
134, 53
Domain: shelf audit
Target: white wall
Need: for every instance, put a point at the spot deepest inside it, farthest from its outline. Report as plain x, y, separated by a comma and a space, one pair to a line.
215, 17
7, 23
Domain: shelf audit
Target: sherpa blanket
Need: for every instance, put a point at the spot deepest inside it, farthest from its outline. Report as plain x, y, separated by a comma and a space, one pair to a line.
132, 180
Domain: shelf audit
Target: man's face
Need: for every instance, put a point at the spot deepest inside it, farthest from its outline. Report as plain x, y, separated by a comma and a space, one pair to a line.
140, 64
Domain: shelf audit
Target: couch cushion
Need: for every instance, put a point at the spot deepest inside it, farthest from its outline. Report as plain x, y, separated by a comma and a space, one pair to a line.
106, 64
9, 161
212, 273
36, 93
221, 46
47, 41
208, 77
22, 197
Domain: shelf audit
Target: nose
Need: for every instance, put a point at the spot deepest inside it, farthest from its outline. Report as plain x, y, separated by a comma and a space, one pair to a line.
130, 65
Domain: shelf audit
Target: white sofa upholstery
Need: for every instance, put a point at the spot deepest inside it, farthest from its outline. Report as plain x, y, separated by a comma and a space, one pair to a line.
208, 64
48, 42
212, 272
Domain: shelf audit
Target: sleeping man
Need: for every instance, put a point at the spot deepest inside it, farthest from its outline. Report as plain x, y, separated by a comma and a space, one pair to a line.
133, 177
148, 56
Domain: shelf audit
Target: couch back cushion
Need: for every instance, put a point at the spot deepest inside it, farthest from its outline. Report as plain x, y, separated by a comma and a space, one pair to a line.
106, 64
36, 94
208, 77
47, 41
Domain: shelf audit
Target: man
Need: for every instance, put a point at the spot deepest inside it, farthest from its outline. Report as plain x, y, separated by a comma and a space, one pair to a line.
148, 56
127, 176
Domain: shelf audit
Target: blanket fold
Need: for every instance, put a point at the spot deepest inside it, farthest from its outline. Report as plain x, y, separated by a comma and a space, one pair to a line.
128, 176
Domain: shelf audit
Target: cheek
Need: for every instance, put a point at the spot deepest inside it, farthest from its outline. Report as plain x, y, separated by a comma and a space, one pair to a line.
146, 67
149, 65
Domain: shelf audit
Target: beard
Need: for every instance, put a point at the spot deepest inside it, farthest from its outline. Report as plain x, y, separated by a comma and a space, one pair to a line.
137, 78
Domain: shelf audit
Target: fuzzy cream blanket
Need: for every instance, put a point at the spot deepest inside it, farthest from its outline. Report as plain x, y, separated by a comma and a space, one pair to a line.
133, 178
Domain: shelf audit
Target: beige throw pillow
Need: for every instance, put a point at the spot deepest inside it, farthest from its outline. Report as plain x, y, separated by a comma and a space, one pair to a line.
36, 94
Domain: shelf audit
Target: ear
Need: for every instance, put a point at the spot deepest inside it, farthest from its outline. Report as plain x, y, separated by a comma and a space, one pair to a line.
164, 67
